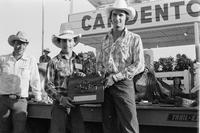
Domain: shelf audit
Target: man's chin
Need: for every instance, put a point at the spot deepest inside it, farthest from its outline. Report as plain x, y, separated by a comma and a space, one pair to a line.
20, 52
65, 51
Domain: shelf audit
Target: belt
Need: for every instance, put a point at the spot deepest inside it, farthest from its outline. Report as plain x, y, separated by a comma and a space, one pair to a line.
13, 96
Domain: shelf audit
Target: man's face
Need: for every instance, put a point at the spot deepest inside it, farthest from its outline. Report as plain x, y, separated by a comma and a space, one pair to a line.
118, 19
46, 53
67, 45
19, 47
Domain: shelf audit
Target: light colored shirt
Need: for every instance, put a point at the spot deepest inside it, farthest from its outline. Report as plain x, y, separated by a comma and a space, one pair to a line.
124, 57
17, 76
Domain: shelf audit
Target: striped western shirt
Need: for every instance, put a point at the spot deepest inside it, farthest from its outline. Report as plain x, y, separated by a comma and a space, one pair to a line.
123, 57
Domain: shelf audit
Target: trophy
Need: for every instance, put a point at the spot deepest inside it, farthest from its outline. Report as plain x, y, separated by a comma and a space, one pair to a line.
88, 89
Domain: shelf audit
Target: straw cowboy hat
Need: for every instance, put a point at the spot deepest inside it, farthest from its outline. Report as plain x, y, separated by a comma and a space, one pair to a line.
47, 50
121, 5
65, 33
20, 36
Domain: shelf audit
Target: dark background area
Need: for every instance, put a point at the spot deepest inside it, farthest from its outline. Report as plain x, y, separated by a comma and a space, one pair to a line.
35, 125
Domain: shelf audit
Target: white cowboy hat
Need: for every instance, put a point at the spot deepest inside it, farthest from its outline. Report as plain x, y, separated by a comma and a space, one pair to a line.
21, 36
47, 50
121, 5
65, 33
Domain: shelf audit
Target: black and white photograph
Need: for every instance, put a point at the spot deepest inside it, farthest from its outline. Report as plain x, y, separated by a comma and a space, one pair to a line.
99, 66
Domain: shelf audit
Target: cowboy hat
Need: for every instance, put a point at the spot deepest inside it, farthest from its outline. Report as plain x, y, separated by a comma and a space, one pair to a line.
21, 36
65, 33
121, 5
47, 50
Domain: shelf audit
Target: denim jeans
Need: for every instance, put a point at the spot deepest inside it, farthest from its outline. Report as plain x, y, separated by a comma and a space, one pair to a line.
13, 115
119, 108
67, 120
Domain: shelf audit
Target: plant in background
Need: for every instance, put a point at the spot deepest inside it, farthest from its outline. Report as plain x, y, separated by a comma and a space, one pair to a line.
156, 66
88, 61
183, 63
166, 64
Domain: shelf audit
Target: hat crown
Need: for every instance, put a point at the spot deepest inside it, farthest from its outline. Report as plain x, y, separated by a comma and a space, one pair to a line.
22, 35
65, 29
120, 4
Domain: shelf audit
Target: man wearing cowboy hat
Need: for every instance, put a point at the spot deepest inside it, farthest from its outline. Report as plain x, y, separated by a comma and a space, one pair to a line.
45, 58
58, 69
121, 58
18, 72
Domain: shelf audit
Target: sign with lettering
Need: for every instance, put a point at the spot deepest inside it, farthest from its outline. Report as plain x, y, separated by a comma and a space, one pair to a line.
151, 14
182, 117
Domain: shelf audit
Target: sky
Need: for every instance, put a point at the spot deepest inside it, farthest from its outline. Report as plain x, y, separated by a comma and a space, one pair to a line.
26, 15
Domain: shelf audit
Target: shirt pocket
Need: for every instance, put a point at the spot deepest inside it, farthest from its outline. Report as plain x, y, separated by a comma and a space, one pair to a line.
63, 69
24, 72
4, 68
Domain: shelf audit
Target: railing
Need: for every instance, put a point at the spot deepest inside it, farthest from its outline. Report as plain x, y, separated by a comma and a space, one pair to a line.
185, 74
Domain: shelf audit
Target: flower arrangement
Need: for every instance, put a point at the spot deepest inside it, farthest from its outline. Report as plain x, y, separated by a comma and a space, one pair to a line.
88, 61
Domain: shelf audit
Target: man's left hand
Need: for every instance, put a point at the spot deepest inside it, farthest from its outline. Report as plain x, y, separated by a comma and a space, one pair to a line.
109, 81
80, 74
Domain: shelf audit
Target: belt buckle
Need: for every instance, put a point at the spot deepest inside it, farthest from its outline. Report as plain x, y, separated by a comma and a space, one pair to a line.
13, 96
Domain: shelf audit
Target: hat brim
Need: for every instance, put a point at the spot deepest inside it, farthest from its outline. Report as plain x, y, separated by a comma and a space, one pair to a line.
13, 38
46, 51
131, 12
65, 36
172, 78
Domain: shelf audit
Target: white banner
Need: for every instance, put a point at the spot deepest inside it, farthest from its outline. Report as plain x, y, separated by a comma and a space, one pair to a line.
151, 14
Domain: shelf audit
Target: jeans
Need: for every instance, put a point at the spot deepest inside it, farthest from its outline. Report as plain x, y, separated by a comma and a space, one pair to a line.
13, 115
119, 108
66, 120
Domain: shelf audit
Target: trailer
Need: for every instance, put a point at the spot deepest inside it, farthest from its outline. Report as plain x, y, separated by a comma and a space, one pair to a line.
152, 118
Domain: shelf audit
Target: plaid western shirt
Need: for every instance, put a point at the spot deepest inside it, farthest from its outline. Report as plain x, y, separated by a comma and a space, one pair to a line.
58, 69
124, 57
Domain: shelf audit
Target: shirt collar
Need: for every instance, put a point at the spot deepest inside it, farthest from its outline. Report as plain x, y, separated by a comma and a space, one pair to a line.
24, 56
62, 56
124, 32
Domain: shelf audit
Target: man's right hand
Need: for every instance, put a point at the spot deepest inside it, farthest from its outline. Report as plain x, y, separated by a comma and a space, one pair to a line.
66, 102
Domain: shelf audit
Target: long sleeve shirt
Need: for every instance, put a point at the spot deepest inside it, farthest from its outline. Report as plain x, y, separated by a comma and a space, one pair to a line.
58, 69
124, 57
16, 76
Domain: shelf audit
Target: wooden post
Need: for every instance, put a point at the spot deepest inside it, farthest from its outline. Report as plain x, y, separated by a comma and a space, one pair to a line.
197, 42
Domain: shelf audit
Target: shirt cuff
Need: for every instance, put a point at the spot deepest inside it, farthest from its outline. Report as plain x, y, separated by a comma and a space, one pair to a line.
117, 77
38, 98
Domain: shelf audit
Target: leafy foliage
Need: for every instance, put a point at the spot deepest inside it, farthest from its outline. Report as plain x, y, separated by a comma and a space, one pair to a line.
88, 61
181, 63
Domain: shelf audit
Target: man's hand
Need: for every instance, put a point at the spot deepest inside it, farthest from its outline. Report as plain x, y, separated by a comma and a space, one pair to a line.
66, 102
80, 74
109, 81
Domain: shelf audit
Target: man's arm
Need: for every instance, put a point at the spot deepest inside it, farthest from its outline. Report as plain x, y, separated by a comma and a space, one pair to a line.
49, 83
35, 81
